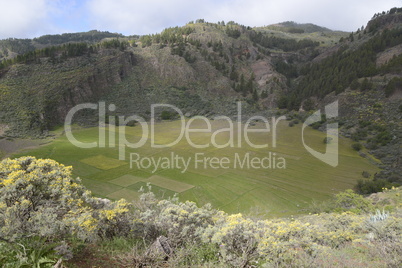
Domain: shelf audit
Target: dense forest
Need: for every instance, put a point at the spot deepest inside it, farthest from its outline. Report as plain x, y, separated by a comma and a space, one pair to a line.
59, 53
22, 46
344, 69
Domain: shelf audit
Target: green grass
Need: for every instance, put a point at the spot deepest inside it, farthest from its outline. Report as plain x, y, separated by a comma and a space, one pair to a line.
125, 193
126, 180
102, 162
324, 38
100, 188
175, 186
267, 192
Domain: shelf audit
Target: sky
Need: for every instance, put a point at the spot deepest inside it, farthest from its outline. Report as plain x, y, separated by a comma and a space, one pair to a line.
33, 18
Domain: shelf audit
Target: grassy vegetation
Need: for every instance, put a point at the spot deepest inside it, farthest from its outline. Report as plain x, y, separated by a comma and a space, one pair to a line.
325, 38
266, 192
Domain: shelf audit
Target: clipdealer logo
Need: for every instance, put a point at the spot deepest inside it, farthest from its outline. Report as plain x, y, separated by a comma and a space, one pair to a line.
238, 135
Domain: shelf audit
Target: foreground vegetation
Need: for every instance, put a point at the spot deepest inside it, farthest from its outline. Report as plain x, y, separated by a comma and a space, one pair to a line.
48, 217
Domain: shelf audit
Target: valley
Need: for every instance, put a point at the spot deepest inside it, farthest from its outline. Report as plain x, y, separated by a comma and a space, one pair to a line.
280, 181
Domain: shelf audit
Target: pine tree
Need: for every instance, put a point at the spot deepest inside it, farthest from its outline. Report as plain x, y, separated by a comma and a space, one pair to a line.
255, 95
233, 74
242, 86
249, 85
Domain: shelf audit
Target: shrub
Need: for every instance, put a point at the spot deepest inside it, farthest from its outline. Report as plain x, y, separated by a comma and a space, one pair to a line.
180, 222
379, 216
357, 146
166, 115
35, 195
236, 238
372, 186
350, 201
316, 125
360, 134
280, 239
392, 85
363, 123
39, 197
385, 227
383, 138
308, 105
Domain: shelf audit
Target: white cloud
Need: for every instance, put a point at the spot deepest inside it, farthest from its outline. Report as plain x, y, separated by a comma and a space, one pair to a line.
142, 17
21, 18
345, 15
30, 18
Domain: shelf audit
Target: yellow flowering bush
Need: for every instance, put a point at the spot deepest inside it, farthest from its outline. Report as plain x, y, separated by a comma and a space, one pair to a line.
283, 240
39, 196
236, 237
181, 222
35, 194
114, 219
308, 237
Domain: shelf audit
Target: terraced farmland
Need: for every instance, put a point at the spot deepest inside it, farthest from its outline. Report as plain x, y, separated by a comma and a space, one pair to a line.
233, 186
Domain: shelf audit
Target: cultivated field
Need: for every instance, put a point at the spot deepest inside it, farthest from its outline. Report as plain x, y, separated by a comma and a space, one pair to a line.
233, 187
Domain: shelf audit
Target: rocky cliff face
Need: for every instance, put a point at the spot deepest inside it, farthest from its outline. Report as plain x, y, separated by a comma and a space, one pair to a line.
38, 96
98, 78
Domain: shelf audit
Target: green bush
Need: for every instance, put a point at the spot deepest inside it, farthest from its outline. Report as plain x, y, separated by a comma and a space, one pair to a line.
166, 115
372, 186
360, 134
308, 105
383, 138
392, 86
357, 146
316, 125
350, 201
32, 252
